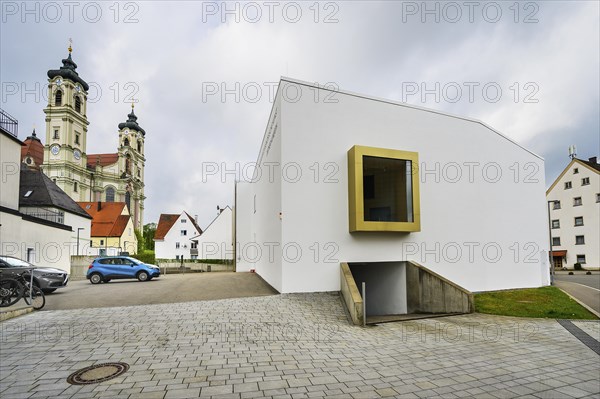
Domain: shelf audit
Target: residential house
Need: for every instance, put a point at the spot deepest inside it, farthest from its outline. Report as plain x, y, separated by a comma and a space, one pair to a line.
112, 228
172, 237
216, 241
574, 202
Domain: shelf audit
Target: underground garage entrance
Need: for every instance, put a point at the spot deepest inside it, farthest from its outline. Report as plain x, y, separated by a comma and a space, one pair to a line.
376, 292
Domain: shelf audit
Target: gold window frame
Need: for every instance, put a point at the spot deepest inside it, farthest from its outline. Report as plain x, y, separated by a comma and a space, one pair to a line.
355, 190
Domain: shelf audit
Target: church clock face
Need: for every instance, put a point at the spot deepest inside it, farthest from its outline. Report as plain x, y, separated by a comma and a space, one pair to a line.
126, 132
77, 154
54, 149
58, 82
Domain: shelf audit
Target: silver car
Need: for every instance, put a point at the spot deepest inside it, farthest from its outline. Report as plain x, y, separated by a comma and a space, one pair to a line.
49, 279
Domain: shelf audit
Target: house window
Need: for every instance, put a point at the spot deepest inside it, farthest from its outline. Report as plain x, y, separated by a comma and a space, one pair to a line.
580, 258
58, 98
184, 232
578, 220
579, 240
556, 241
194, 245
598, 197
577, 201
76, 138
110, 194
568, 185
585, 181
56, 136
78, 104
30, 253
575, 171
556, 224
101, 242
556, 205
177, 257
75, 186
183, 220
177, 245
384, 190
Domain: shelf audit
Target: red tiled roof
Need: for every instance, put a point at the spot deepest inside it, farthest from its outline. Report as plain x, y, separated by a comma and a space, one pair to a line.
34, 148
108, 221
165, 223
101, 159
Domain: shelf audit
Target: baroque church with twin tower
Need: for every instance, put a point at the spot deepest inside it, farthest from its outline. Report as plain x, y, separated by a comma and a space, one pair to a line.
87, 177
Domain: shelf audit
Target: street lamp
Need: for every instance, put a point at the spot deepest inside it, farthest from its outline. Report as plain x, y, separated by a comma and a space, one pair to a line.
79, 228
550, 257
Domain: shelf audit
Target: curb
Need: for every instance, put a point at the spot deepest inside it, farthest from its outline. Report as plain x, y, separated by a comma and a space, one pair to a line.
9, 314
581, 303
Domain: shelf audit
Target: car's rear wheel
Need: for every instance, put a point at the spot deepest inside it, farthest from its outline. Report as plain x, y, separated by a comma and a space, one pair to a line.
96, 278
142, 276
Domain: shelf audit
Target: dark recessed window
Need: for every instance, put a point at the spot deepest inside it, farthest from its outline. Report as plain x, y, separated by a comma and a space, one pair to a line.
578, 220
110, 194
556, 205
556, 224
56, 136
585, 181
579, 240
75, 187
58, 98
78, 104
387, 197
575, 171
556, 241
568, 185
580, 258
577, 201
76, 139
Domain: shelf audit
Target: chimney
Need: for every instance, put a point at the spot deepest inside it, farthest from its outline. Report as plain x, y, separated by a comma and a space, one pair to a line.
99, 205
593, 160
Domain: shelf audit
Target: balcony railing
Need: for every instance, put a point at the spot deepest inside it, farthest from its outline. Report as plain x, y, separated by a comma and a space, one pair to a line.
51, 216
8, 123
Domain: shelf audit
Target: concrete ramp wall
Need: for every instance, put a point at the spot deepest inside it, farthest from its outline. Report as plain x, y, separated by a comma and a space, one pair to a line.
425, 292
428, 292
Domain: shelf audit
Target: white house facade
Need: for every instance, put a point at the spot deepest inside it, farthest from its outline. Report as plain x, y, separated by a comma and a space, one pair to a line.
40, 241
574, 202
216, 241
172, 237
342, 177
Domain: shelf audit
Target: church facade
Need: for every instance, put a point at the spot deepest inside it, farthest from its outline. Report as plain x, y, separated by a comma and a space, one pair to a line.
88, 177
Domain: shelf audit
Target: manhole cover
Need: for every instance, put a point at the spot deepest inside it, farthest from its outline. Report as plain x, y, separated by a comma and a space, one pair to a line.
97, 373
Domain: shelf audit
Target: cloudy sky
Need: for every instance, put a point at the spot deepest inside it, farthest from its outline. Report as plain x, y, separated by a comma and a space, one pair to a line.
203, 73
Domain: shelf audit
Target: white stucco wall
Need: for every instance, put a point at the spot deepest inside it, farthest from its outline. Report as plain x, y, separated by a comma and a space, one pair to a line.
50, 246
10, 155
216, 241
483, 220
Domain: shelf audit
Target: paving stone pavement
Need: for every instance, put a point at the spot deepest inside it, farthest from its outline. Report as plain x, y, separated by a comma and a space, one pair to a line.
290, 346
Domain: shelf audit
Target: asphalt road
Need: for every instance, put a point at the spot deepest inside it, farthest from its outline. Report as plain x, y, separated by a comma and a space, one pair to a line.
582, 287
581, 278
170, 288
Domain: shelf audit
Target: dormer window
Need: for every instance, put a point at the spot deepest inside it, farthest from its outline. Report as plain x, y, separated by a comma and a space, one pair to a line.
58, 98
78, 104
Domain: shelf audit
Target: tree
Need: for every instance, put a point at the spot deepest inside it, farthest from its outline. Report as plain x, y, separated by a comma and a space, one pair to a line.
149, 231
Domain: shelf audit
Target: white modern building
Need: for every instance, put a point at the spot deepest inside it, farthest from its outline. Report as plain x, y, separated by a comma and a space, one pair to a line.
574, 202
216, 241
347, 178
43, 241
172, 237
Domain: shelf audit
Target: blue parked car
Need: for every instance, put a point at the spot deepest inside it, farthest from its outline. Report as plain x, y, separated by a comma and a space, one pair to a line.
120, 267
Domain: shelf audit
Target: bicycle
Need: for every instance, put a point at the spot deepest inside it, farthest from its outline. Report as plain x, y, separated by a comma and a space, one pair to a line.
13, 289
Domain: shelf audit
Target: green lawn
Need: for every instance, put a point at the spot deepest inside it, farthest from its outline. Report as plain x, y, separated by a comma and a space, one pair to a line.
544, 302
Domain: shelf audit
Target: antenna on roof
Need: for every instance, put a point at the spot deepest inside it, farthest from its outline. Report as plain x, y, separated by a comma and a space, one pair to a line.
572, 151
